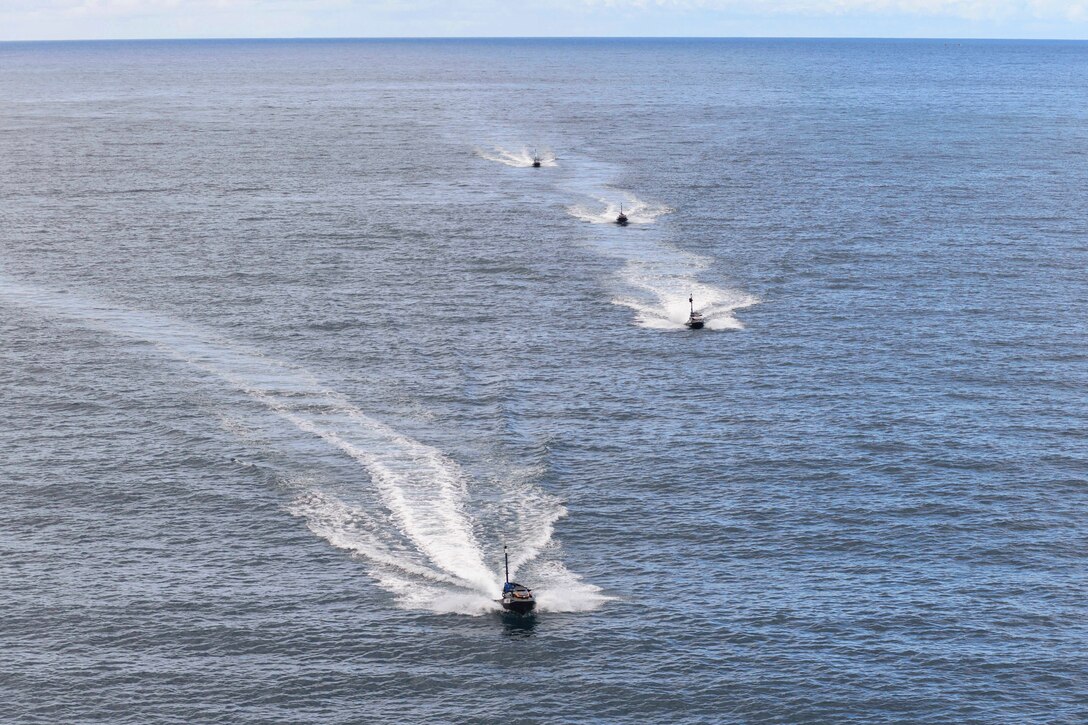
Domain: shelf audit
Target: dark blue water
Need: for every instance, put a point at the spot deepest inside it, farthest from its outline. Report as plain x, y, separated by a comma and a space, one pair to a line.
294, 340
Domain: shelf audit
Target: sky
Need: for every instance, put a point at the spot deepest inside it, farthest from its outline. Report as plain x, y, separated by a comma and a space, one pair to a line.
93, 19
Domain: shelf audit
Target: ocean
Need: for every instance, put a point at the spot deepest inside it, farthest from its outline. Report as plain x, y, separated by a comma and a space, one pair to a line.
294, 339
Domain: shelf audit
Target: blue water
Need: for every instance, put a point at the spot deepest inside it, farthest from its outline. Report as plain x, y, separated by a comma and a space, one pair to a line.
294, 340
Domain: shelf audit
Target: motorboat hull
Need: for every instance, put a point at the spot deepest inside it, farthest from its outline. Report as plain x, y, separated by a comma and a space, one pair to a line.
519, 606
694, 324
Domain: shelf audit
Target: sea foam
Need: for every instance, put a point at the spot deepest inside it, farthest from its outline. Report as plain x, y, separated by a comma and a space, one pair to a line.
408, 516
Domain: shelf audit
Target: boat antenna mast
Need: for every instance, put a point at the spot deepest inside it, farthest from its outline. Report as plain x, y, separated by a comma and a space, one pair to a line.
691, 301
506, 556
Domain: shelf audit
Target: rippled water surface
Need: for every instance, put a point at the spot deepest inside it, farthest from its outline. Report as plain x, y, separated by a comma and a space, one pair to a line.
295, 338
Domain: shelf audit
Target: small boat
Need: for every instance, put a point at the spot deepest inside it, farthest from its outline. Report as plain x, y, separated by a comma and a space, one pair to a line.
695, 320
536, 159
622, 218
515, 597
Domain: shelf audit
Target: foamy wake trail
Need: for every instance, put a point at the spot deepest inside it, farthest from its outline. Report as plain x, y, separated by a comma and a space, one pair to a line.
656, 277
660, 301
605, 210
409, 514
519, 159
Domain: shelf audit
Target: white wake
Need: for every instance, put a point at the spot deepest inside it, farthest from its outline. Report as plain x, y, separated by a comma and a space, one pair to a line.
660, 300
409, 514
655, 277
522, 158
606, 209
655, 280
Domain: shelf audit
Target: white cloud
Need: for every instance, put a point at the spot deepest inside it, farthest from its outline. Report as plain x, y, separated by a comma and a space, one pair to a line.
363, 18
969, 9
158, 7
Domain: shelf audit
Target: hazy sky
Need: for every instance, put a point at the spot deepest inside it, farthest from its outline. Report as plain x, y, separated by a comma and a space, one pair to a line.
61, 19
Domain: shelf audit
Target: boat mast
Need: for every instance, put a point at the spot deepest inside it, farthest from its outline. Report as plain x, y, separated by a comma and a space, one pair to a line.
506, 555
691, 301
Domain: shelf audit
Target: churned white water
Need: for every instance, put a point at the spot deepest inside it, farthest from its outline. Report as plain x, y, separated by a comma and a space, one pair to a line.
414, 522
